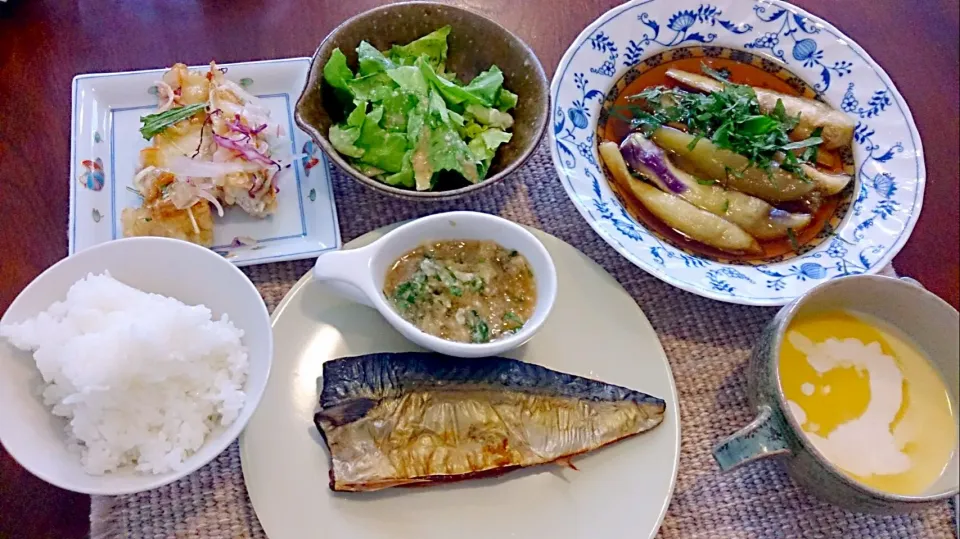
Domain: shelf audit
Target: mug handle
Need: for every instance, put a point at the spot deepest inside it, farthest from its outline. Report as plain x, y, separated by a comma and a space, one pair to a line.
346, 272
762, 438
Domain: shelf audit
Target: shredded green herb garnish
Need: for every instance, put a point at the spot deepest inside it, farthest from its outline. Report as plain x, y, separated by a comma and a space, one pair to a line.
408, 292
512, 321
730, 118
479, 331
478, 284
726, 206
733, 172
809, 155
154, 124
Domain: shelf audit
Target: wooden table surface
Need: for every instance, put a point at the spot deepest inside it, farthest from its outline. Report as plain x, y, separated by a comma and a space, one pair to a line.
44, 43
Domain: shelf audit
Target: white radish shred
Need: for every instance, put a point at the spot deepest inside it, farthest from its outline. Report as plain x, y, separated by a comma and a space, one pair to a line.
138, 180
181, 195
206, 195
253, 115
184, 194
243, 94
278, 148
182, 165
193, 220
256, 154
221, 155
168, 92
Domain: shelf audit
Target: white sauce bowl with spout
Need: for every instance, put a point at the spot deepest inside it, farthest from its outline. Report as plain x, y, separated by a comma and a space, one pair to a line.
360, 273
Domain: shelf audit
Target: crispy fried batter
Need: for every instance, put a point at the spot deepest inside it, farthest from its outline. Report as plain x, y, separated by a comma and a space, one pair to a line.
159, 217
195, 138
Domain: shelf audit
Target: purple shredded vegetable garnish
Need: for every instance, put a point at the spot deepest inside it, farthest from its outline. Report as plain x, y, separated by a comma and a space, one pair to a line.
641, 154
244, 149
237, 126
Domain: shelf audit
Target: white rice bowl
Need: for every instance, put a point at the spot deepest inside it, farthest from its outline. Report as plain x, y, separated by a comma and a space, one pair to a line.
141, 378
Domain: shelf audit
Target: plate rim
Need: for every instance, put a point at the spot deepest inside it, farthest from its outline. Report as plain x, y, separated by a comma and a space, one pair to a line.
673, 402
241, 261
661, 273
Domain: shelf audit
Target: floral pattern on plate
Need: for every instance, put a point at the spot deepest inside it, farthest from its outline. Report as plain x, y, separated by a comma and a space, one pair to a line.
92, 176
106, 118
890, 173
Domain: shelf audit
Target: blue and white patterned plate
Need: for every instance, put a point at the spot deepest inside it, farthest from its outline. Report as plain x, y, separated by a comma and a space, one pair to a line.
888, 155
105, 149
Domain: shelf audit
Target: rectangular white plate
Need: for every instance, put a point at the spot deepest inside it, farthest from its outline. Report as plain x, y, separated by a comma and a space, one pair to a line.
105, 150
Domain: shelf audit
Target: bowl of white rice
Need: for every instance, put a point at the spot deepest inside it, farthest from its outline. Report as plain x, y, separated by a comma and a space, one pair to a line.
130, 365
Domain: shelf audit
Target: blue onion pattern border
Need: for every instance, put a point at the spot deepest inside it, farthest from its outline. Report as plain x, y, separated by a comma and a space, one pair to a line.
790, 37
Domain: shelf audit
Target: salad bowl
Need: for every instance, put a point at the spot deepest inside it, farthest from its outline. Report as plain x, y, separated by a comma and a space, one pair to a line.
868, 229
317, 108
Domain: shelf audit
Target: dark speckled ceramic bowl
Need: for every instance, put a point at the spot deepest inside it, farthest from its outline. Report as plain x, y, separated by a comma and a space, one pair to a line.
476, 43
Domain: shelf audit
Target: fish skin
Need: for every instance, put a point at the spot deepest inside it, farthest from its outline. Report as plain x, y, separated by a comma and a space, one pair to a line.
404, 419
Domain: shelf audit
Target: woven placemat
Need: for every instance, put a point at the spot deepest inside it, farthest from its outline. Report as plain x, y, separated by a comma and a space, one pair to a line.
707, 342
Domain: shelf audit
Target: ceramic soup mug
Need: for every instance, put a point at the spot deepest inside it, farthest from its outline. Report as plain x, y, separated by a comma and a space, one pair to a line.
359, 274
928, 320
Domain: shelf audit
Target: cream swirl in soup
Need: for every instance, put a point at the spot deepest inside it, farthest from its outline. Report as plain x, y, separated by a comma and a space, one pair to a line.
868, 399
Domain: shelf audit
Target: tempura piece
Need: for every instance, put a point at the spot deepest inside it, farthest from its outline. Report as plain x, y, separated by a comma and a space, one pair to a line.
159, 216
212, 143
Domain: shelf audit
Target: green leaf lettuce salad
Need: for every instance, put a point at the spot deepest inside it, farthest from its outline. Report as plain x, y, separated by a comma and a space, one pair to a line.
409, 122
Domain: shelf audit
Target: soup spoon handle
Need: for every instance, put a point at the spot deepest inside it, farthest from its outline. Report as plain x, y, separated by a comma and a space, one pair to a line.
348, 273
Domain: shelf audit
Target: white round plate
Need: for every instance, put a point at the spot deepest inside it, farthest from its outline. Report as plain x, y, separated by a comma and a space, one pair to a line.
890, 171
595, 330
